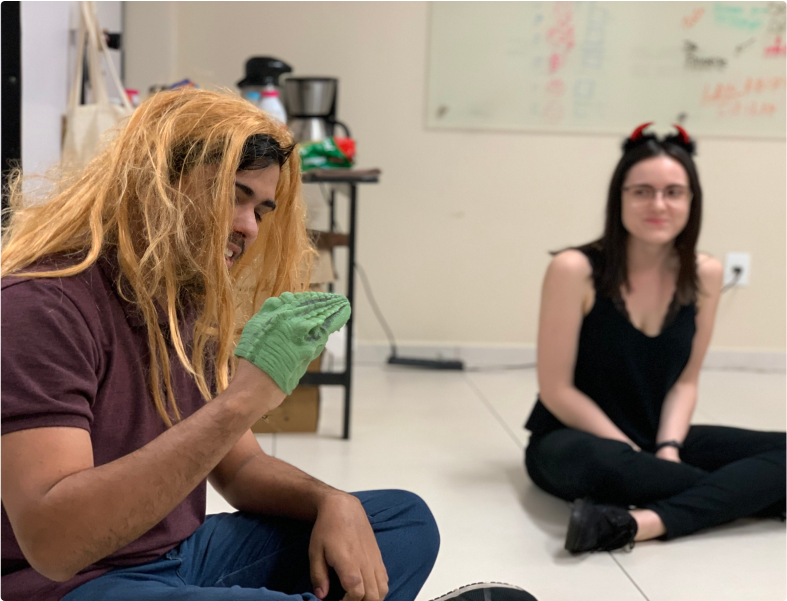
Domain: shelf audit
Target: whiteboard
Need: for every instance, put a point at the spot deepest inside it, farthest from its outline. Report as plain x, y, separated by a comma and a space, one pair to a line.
717, 68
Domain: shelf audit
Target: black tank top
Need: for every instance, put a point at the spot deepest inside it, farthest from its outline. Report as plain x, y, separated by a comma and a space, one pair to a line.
626, 372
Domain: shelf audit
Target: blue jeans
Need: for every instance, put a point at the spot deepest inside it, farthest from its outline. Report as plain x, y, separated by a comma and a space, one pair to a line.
249, 557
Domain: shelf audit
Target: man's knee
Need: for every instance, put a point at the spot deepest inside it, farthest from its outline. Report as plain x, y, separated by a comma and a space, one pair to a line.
409, 514
424, 535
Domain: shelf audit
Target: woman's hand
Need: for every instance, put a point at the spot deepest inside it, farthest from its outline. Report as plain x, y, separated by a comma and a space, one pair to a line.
668, 454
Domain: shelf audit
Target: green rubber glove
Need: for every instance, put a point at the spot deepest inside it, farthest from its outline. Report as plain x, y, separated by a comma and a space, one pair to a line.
290, 331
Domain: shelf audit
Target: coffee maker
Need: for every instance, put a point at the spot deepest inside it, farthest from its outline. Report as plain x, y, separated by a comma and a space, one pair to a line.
311, 108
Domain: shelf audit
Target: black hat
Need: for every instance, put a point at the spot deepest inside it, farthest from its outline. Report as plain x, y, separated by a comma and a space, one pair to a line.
262, 70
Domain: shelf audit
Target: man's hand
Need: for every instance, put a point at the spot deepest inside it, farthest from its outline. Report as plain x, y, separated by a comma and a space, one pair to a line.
668, 454
343, 539
256, 387
290, 331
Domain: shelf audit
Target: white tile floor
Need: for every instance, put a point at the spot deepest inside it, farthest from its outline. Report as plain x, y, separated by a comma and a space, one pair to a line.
456, 439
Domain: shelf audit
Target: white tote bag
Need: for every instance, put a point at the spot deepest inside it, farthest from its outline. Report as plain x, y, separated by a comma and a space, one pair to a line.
87, 123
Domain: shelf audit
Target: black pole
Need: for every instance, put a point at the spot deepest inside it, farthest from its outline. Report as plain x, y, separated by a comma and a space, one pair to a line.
348, 368
11, 99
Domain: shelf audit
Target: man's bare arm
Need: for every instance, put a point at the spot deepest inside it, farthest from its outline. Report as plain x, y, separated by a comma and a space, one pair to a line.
250, 480
67, 514
342, 537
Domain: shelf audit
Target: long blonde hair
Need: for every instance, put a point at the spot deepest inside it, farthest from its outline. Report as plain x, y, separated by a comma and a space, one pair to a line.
160, 198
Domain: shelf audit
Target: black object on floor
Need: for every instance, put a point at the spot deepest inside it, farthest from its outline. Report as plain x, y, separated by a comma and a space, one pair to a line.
488, 591
445, 364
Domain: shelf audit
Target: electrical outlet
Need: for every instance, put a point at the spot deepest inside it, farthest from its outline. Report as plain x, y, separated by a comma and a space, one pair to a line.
733, 261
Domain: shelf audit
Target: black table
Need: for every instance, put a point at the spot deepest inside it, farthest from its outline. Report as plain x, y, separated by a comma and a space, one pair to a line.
342, 180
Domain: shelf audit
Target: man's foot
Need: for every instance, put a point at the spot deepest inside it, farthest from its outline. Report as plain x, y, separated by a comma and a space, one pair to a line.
599, 528
488, 591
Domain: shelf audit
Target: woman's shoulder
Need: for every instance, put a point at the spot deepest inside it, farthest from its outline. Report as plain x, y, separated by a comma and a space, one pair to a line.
709, 266
570, 276
710, 273
569, 280
571, 262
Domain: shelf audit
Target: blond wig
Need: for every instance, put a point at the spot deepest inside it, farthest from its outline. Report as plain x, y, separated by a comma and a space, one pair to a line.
160, 199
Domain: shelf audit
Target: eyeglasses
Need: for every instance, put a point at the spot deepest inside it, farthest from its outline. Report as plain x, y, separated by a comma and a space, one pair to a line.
644, 193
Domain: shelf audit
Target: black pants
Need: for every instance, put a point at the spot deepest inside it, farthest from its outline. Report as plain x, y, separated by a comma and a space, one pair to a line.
725, 474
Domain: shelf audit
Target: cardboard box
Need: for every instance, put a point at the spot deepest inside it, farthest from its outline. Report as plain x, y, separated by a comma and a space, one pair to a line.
299, 412
323, 271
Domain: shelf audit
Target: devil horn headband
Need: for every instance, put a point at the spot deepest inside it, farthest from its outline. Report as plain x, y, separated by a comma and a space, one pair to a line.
683, 134
637, 133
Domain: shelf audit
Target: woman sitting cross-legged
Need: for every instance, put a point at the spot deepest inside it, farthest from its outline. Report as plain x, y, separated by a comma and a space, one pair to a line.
624, 326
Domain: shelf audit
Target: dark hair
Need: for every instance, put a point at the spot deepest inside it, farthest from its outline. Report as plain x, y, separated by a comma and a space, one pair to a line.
259, 151
612, 272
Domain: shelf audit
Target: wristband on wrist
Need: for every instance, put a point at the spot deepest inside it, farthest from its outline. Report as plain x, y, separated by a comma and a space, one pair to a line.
669, 443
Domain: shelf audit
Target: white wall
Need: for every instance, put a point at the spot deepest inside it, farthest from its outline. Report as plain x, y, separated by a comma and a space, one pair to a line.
45, 80
151, 44
48, 57
455, 237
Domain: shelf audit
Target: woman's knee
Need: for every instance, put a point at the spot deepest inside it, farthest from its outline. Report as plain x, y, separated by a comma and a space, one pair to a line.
565, 464
778, 440
595, 467
581, 454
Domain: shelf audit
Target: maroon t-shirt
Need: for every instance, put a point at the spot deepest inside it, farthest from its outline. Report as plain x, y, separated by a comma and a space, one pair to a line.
75, 354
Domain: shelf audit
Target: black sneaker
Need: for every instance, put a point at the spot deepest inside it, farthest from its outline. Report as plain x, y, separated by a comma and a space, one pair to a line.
599, 528
488, 591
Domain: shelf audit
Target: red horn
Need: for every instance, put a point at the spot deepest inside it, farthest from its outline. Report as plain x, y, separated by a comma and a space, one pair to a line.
683, 134
637, 133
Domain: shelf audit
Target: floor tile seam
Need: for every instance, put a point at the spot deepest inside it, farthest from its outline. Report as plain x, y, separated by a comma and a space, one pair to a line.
631, 579
708, 417
491, 408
